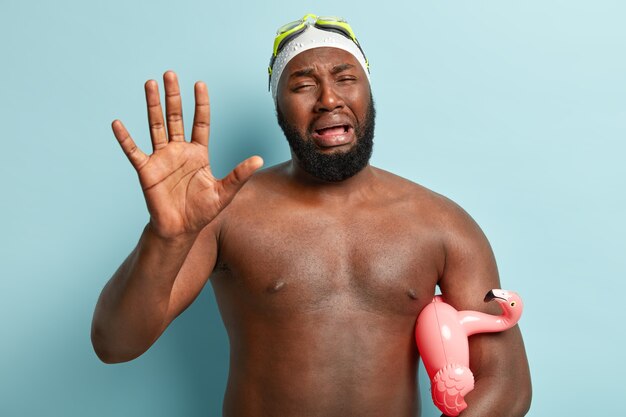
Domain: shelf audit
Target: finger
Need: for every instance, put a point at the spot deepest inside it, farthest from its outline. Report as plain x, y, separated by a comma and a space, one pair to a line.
155, 115
173, 107
202, 116
238, 177
136, 157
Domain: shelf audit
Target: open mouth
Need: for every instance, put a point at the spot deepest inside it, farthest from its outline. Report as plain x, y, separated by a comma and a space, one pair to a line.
333, 130
331, 136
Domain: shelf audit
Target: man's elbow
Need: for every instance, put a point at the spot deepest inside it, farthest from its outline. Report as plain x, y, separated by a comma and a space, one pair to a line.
105, 352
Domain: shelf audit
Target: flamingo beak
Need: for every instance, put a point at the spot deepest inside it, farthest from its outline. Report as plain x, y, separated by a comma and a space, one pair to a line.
491, 296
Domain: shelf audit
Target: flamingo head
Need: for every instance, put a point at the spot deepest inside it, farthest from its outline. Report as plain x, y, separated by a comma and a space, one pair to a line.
510, 302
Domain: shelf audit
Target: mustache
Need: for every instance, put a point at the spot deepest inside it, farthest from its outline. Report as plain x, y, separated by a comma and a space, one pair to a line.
337, 166
359, 125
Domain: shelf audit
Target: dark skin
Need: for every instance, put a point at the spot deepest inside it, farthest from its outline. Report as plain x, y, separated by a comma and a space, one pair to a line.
319, 284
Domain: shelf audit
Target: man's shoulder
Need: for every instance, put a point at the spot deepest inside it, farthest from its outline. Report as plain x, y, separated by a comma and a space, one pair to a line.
439, 216
442, 210
408, 190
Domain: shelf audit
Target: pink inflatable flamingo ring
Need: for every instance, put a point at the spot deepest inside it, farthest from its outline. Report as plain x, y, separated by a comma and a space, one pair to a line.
442, 332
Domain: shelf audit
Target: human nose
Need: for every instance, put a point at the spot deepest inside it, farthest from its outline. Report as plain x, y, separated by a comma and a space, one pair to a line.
328, 99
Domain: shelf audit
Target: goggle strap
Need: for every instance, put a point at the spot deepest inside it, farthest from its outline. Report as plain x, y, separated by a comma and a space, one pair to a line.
335, 29
289, 37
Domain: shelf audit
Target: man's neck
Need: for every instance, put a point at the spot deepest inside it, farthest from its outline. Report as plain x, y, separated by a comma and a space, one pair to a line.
358, 186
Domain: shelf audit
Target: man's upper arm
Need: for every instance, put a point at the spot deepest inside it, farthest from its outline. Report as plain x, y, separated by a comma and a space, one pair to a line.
470, 268
470, 272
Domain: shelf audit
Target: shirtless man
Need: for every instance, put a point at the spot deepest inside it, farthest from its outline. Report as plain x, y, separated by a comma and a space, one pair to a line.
320, 265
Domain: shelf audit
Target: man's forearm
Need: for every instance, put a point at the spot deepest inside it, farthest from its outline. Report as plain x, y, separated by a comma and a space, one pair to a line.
133, 305
495, 397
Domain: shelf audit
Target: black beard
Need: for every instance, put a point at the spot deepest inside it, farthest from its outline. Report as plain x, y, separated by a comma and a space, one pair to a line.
337, 166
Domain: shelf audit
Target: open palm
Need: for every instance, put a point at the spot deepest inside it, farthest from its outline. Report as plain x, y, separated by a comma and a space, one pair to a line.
182, 194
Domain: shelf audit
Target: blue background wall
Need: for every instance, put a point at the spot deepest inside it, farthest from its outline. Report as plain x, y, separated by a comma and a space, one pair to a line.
516, 110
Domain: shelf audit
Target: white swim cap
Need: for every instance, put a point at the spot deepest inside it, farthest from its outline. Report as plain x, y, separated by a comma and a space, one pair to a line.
311, 38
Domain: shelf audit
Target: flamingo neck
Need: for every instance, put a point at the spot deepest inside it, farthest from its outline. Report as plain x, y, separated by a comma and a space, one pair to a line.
476, 322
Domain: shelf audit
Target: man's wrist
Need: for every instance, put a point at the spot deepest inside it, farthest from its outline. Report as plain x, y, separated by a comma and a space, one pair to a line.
184, 240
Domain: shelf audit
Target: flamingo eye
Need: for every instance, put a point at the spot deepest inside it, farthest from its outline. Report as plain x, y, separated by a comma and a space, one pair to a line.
512, 303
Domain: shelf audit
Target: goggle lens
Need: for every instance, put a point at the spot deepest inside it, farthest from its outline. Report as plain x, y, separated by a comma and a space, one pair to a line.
288, 27
332, 19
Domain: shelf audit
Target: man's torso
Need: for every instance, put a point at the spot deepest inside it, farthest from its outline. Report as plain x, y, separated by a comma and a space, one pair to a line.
319, 296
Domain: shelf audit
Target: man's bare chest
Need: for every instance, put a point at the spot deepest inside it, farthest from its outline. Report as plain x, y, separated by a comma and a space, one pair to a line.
299, 262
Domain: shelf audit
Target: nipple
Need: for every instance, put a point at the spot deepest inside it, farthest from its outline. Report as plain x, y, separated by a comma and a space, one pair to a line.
275, 287
412, 294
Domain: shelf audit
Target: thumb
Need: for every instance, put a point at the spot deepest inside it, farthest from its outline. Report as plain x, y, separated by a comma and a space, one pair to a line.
238, 177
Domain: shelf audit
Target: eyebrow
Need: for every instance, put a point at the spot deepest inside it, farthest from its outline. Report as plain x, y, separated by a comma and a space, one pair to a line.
310, 70
302, 73
339, 68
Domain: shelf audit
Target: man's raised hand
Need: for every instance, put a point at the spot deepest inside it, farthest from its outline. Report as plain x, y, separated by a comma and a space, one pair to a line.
182, 194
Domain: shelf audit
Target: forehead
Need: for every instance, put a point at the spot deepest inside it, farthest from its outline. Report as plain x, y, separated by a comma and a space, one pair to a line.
320, 59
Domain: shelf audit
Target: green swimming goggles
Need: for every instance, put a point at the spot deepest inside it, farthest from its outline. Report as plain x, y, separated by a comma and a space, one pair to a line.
291, 30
